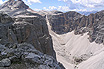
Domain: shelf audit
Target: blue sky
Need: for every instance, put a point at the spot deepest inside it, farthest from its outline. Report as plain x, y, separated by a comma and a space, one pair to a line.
64, 5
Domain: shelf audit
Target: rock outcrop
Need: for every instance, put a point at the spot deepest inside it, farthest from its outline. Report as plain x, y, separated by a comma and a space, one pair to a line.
25, 56
65, 22
69, 21
26, 39
31, 30
16, 8
25, 42
14, 4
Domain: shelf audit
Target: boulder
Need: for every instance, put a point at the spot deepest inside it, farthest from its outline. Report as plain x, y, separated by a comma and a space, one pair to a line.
5, 62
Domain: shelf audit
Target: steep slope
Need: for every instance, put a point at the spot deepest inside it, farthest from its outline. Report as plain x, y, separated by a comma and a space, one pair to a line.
24, 40
77, 40
25, 27
31, 30
63, 23
17, 8
73, 49
69, 21
95, 62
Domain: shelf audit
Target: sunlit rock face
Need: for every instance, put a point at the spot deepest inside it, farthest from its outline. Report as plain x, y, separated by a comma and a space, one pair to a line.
15, 8
12, 4
78, 42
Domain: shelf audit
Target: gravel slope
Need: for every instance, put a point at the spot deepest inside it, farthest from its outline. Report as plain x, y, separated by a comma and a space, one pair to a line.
69, 47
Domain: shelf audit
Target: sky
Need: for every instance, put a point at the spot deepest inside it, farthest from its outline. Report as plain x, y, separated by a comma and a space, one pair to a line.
64, 5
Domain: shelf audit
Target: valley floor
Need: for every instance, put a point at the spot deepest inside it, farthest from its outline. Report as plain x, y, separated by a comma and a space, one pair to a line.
76, 52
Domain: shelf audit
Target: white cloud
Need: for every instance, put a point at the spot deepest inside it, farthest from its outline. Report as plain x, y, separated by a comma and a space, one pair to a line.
52, 7
1, 2
63, 8
79, 10
44, 8
32, 1
60, 8
89, 3
63, 0
84, 4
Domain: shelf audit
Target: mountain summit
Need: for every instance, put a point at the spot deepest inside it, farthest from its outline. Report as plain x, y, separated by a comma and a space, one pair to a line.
12, 4
14, 8
28, 32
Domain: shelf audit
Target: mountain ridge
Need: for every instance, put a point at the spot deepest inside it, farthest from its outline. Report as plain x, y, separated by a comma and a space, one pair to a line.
25, 42
74, 37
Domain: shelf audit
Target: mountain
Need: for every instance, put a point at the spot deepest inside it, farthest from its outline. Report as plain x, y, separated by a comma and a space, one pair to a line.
45, 39
25, 42
87, 12
12, 4
78, 39
17, 8
69, 21
55, 12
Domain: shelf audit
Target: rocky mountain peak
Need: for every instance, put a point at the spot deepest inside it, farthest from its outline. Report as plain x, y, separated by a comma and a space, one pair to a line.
12, 4
37, 43
20, 4
15, 7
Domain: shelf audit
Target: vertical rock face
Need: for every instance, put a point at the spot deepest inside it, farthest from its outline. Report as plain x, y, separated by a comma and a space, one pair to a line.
31, 30
25, 43
25, 38
64, 22
67, 22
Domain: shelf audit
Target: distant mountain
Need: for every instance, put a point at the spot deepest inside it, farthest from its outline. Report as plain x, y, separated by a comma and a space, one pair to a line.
78, 39
87, 12
69, 21
54, 12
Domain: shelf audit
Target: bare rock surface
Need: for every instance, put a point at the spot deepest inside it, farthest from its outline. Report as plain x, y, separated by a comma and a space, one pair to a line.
25, 42
78, 39
32, 30
24, 38
5, 62
15, 8
26, 54
73, 21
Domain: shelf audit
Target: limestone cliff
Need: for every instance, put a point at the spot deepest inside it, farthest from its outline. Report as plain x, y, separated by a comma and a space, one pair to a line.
69, 21
25, 43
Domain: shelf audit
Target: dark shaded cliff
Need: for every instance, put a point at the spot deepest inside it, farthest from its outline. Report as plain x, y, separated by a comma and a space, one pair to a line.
69, 21
31, 30
25, 42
